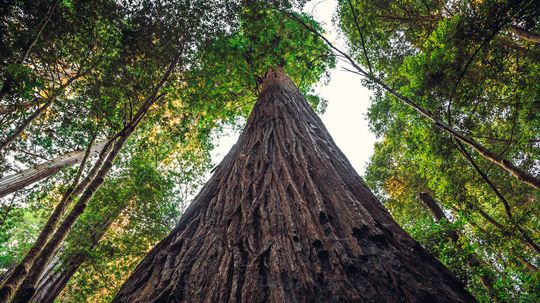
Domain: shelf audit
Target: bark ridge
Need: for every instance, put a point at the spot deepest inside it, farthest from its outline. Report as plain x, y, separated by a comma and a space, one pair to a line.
285, 218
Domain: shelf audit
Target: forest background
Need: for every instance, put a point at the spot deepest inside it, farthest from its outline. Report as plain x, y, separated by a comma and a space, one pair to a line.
123, 101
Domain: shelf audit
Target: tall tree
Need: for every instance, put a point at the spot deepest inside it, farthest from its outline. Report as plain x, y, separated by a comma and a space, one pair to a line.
160, 61
286, 218
43, 61
52, 241
408, 161
438, 214
204, 95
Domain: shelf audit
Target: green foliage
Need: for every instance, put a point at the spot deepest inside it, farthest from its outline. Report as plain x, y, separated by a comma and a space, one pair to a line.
458, 61
131, 212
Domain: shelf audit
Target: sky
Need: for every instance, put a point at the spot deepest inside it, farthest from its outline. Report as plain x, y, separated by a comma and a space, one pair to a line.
348, 102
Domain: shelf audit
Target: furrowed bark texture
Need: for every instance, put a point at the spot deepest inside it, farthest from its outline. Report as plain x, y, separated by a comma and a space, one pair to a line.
15, 182
285, 218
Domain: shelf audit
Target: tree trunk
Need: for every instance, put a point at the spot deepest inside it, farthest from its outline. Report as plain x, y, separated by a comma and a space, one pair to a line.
7, 109
525, 34
28, 286
15, 182
517, 172
434, 208
21, 270
487, 278
52, 284
285, 218
49, 101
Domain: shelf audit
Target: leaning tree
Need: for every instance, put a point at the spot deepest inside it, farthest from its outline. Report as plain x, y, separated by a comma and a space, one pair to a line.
285, 218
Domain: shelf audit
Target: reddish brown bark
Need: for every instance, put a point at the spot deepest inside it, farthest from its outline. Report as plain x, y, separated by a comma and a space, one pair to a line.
285, 218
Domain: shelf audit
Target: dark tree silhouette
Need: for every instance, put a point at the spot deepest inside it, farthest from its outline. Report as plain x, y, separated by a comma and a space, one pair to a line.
285, 218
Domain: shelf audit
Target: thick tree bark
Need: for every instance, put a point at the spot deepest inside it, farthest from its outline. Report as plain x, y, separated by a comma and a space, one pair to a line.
15, 182
285, 218
487, 278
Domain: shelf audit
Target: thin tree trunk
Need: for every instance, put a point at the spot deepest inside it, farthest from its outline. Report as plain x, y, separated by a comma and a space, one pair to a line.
12, 108
41, 171
28, 287
525, 34
509, 43
433, 207
5, 215
52, 284
505, 231
21, 270
524, 262
487, 278
489, 155
508, 211
10, 138
285, 218
517, 172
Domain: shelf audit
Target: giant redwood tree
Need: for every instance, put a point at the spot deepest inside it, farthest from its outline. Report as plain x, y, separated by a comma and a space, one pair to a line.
285, 218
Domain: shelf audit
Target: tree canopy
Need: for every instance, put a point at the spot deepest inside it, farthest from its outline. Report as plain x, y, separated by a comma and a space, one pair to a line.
136, 92
464, 63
